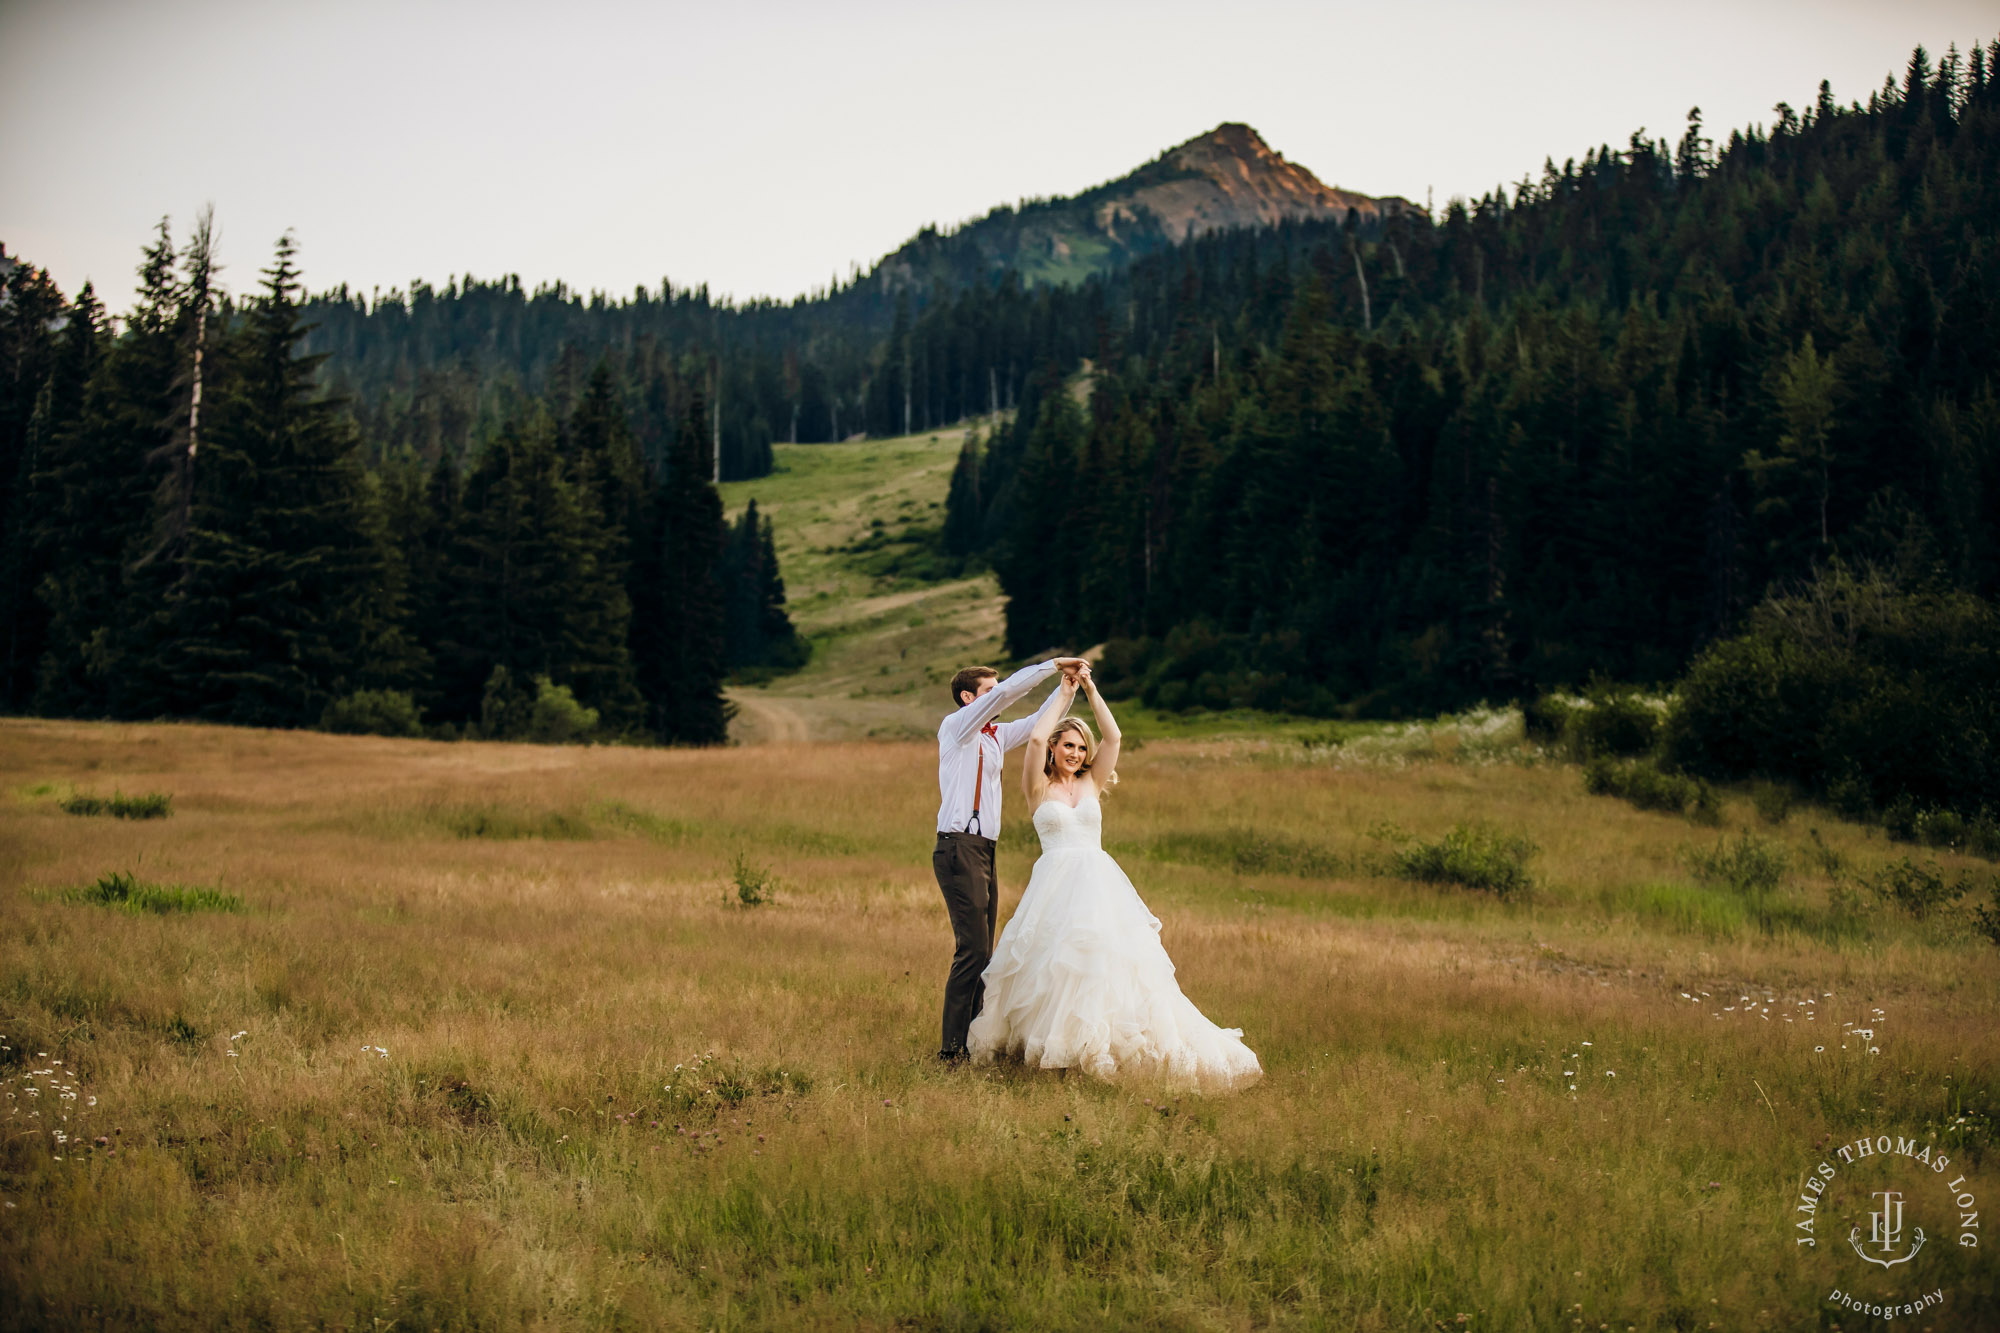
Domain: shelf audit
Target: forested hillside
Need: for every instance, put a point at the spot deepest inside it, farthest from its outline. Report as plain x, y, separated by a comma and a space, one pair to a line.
437, 370
1574, 428
193, 528
1378, 463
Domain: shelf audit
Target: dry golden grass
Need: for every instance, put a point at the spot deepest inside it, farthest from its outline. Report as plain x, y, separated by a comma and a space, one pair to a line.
544, 945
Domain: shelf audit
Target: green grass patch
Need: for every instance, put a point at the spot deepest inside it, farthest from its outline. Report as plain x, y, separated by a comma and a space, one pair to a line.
1688, 909
127, 894
645, 823
499, 823
1247, 851
146, 805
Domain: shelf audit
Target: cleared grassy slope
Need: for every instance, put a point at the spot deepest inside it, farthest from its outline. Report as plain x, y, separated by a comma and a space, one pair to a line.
886, 632
888, 626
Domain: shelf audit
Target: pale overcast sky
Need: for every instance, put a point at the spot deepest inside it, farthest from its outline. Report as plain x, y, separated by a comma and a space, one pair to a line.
762, 147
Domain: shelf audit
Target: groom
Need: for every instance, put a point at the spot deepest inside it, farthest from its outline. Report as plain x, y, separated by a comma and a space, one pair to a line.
971, 747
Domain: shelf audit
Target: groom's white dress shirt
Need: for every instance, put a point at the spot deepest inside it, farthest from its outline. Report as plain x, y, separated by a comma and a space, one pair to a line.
969, 733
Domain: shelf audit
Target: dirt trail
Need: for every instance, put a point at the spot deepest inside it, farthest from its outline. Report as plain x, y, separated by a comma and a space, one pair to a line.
763, 720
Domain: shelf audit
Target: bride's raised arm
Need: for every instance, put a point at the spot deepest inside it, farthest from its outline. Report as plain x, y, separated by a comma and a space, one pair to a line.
1034, 762
1106, 759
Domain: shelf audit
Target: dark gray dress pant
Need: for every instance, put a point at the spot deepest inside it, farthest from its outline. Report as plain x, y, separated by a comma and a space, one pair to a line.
964, 866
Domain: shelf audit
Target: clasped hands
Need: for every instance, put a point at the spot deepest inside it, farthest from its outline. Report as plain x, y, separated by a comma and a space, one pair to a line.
1076, 673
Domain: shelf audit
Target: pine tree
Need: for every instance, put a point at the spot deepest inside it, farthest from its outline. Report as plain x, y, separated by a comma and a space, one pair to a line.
31, 307
526, 583
680, 624
962, 509
57, 531
281, 603
759, 630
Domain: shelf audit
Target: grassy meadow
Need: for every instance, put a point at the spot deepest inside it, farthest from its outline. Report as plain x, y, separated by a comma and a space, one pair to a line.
422, 1035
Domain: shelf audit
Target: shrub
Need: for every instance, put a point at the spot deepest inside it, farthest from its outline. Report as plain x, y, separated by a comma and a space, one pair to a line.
557, 718
1927, 826
1546, 716
1772, 801
149, 805
1986, 920
1853, 690
1612, 720
1476, 855
549, 715
1646, 787
1917, 889
753, 882
1750, 866
1830, 860
127, 894
373, 713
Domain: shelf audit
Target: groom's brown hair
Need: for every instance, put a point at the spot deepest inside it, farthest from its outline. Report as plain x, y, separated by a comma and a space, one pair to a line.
968, 678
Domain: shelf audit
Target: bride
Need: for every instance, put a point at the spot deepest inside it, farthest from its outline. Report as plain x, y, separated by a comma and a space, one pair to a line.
1079, 977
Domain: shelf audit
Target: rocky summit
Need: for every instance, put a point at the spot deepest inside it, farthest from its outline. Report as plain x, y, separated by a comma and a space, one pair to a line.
1225, 179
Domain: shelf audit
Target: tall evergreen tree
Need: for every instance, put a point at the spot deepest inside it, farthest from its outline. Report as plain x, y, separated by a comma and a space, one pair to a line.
681, 622
759, 629
281, 601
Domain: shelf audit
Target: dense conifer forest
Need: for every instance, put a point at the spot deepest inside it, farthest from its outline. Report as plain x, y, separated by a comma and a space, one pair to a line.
196, 528
1576, 428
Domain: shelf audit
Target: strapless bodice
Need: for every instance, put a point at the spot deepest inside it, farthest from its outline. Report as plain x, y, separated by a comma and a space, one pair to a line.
1069, 829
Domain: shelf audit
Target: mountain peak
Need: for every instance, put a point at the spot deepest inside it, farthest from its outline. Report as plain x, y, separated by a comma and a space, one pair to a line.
1223, 180
1228, 178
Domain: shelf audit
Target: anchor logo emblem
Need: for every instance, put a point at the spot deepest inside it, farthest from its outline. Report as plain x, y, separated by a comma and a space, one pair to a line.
1885, 1231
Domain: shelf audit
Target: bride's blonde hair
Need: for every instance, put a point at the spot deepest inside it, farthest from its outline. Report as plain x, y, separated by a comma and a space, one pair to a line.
1081, 728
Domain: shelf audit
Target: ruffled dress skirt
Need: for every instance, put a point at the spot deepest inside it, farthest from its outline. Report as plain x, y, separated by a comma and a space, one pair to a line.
1080, 980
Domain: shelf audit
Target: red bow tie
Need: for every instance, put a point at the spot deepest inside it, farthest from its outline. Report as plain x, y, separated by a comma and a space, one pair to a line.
990, 729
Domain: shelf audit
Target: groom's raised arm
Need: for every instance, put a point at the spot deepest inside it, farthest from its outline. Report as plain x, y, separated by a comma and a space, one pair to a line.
1014, 733
963, 725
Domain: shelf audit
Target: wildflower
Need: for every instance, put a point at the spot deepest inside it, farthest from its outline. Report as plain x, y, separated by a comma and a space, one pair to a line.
1611, 1073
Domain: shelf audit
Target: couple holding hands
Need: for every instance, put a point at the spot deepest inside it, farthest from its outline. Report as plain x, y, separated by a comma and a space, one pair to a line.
1079, 978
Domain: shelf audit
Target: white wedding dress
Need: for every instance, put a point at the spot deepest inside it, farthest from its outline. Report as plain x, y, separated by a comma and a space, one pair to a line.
1080, 979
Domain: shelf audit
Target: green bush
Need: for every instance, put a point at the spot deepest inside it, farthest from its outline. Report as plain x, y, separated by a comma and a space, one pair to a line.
1612, 720
1927, 826
1853, 690
1643, 785
1918, 889
1545, 717
557, 718
127, 894
1772, 801
373, 713
1477, 856
753, 882
148, 805
549, 714
1750, 866
1986, 920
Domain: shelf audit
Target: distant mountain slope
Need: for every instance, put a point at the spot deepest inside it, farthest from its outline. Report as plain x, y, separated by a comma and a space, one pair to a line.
1225, 179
